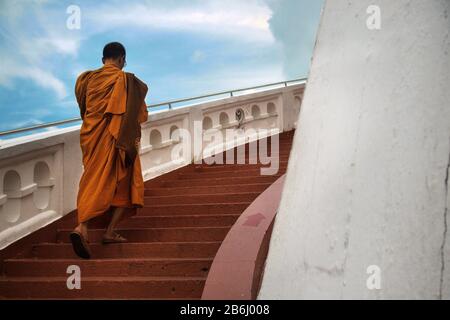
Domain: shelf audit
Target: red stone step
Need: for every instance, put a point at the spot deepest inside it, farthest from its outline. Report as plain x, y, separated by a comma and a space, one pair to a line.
257, 163
102, 288
201, 198
210, 220
220, 181
156, 234
225, 174
166, 221
283, 144
124, 267
193, 209
281, 151
282, 148
263, 161
255, 187
245, 160
174, 176
129, 250
231, 167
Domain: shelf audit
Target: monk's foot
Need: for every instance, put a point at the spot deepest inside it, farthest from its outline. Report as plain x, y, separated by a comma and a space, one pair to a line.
113, 238
80, 245
83, 230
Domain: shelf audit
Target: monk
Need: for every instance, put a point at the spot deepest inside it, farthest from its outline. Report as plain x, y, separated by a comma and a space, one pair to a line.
112, 107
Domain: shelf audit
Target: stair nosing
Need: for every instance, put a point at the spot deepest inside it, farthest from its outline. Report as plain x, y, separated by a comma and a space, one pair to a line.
130, 243
205, 194
125, 260
197, 204
150, 228
190, 187
102, 278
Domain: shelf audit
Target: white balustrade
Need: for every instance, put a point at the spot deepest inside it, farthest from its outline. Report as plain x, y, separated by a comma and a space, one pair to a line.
39, 173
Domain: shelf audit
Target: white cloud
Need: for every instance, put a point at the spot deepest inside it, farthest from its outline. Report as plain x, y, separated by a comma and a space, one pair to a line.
294, 24
12, 10
223, 79
25, 55
236, 19
39, 76
46, 80
197, 56
67, 46
35, 50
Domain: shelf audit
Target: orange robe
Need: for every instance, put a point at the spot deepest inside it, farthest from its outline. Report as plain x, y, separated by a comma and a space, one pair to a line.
106, 181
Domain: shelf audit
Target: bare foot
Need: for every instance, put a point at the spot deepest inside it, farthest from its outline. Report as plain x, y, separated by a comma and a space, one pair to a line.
113, 237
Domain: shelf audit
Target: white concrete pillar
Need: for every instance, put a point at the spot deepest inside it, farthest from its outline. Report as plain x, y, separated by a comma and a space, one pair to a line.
364, 211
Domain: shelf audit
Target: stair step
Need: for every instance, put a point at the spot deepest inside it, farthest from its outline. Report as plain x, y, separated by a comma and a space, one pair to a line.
162, 221
130, 250
102, 288
220, 181
224, 174
223, 220
249, 161
198, 179
156, 234
124, 267
231, 167
193, 209
283, 144
254, 187
282, 151
245, 159
201, 198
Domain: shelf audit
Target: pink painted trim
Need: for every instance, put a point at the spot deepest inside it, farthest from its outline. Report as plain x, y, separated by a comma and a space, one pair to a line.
237, 268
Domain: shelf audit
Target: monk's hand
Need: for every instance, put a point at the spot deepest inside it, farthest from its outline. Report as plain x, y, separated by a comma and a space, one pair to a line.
137, 143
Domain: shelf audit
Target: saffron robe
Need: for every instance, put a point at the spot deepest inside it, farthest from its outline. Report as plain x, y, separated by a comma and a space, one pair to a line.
107, 180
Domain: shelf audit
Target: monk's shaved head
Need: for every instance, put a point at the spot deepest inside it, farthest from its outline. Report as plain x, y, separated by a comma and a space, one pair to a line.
113, 50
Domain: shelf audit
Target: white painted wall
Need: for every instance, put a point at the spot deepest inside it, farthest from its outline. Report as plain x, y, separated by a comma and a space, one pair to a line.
366, 183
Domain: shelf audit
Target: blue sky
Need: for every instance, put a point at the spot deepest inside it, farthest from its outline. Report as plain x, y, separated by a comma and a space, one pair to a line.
179, 48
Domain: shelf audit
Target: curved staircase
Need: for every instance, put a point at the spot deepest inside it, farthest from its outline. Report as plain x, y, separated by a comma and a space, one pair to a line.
172, 240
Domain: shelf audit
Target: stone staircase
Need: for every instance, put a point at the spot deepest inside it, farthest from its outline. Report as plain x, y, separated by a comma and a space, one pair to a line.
172, 240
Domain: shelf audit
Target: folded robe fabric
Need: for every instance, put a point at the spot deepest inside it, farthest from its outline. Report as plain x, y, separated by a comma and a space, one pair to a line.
130, 129
112, 112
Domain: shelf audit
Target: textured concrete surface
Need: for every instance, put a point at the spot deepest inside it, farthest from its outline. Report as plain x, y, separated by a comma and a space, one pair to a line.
367, 181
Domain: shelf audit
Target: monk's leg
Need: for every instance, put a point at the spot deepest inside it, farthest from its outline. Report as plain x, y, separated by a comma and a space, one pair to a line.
116, 217
83, 229
79, 239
